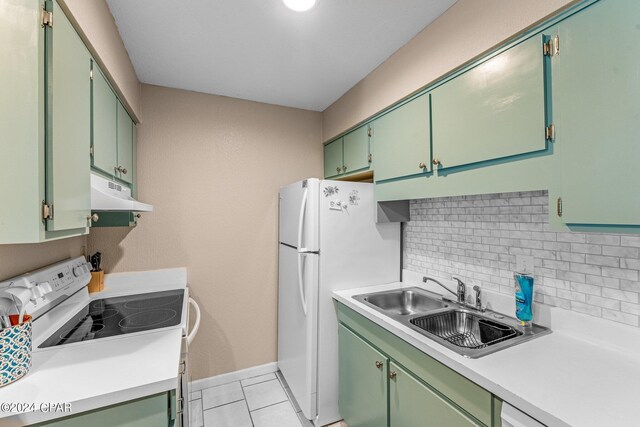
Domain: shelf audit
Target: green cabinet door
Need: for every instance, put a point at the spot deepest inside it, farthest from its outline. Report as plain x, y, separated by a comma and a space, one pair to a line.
494, 110
333, 159
68, 125
152, 411
402, 141
104, 137
363, 381
125, 145
596, 93
356, 150
413, 404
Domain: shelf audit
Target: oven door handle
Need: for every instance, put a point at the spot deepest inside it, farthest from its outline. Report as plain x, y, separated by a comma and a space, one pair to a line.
196, 324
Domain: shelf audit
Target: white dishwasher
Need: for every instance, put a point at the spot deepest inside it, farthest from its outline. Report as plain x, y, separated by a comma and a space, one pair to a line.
513, 417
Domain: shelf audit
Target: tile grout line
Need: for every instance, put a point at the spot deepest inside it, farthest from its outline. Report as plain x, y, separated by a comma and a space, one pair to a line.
224, 404
247, 404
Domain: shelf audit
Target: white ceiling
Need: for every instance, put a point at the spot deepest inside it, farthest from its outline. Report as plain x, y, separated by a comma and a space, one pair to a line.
262, 51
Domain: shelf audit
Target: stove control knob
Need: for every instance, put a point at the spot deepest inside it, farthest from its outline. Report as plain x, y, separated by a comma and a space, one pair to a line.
77, 271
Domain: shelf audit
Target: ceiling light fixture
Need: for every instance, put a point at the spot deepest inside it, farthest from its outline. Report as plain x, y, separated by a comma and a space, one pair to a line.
299, 5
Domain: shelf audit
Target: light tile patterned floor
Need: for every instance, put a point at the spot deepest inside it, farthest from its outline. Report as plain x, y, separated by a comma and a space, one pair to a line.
262, 401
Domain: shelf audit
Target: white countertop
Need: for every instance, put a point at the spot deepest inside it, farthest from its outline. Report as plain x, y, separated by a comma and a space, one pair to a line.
101, 372
582, 374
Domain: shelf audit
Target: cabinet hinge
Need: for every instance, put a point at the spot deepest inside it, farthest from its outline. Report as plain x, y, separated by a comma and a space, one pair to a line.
559, 206
370, 158
550, 133
46, 18
552, 47
370, 132
91, 74
47, 211
91, 151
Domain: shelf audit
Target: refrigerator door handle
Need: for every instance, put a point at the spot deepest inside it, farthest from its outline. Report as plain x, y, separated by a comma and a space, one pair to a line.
303, 208
303, 298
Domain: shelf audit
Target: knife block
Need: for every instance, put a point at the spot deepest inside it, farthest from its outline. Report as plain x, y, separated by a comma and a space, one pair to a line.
97, 281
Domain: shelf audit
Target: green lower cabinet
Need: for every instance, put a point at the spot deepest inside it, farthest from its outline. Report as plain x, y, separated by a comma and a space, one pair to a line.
363, 382
384, 381
413, 404
597, 114
152, 411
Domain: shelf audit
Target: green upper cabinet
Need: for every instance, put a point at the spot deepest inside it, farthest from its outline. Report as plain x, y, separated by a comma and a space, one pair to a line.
401, 138
125, 146
333, 158
492, 111
596, 93
363, 382
411, 403
68, 126
348, 154
21, 122
104, 131
112, 132
355, 146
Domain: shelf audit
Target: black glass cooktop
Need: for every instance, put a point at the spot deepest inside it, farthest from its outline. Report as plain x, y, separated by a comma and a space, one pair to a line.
109, 317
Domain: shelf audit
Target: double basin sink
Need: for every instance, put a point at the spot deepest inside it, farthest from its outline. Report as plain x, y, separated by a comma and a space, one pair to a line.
469, 332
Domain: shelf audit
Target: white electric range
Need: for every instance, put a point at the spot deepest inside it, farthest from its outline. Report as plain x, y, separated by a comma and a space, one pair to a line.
95, 350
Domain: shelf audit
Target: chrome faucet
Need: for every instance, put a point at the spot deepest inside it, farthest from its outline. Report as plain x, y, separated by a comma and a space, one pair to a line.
462, 289
478, 300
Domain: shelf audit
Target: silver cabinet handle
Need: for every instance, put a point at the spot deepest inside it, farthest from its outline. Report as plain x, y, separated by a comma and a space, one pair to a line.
338, 169
122, 170
378, 364
436, 162
392, 374
421, 165
344, 168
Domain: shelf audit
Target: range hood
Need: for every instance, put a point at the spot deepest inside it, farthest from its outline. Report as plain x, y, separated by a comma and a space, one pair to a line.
108, 195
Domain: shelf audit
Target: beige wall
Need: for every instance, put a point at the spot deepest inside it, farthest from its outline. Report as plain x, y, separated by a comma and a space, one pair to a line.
96, 24
467, 29
212, 167
18, 259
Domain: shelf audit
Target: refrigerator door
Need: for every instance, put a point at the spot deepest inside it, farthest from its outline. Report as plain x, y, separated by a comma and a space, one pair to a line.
297, 325
298, 226
355, 252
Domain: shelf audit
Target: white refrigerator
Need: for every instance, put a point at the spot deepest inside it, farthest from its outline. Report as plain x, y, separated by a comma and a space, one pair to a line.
328, 240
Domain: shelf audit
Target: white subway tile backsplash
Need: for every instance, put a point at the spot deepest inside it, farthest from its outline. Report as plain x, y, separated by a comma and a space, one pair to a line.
478, 238
630, 241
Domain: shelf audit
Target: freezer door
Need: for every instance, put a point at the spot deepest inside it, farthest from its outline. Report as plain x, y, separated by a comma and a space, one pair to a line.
298, 225
297, 325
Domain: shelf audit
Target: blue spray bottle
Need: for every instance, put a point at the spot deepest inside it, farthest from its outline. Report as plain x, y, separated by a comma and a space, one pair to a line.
524, 298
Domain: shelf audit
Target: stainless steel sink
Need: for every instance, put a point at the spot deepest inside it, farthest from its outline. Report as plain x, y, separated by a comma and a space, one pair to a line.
403, 301
469, 332
473, 334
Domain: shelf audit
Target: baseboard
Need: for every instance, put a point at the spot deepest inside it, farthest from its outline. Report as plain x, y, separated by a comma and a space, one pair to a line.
233, 376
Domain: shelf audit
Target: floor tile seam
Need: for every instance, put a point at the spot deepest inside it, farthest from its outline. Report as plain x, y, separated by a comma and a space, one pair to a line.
246, 404
224, 404
259, 382
273, 404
